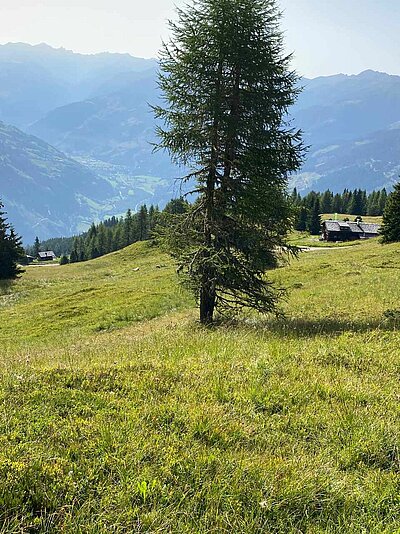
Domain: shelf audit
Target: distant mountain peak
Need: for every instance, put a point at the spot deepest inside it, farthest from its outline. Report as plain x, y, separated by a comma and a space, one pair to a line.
369, 73
21, 46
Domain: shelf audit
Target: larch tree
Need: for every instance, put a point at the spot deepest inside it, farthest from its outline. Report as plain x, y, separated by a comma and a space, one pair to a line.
227, 86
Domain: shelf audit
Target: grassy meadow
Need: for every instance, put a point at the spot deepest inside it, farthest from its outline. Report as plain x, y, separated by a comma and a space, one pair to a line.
121, 414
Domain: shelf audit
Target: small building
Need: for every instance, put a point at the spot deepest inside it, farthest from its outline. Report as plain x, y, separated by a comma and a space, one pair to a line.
29, 259
47, 256
348, 231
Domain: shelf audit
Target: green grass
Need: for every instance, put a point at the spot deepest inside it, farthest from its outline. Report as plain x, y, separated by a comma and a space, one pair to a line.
304, 239
122, 288
342, 216
155, 424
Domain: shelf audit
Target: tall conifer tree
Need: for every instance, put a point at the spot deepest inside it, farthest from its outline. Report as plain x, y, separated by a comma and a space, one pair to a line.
227, 87
315, 222
143, 223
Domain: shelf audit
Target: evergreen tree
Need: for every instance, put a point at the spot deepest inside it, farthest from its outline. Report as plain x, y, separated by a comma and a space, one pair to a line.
118, 237
382, 201
337, 204
302, 219
326, 202
92, 233
74, 256
109, 239
364, 202
373, 203
296, 198
357, 203
11, 251
101, 240
314, 225
346, 200
92, 250
390, 229
310, 200
128, 232
228, 86
81, 249
177, 206
64, 260
143, 223
36, 247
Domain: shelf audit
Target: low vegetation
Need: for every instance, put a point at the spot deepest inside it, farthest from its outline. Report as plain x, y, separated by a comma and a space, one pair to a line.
304, 239
121, 414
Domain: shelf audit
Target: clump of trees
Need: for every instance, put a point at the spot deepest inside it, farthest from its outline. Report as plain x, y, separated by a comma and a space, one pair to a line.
227, 86
356, 202
114, 234
390, 229
108, 236
11, 251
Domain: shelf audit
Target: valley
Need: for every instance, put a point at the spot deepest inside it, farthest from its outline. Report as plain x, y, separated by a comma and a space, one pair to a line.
96, 111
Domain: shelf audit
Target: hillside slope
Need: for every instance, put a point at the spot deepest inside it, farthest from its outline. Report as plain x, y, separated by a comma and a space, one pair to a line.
48, 194
36, 79
45, 192
349, 122
116, 127
263, 425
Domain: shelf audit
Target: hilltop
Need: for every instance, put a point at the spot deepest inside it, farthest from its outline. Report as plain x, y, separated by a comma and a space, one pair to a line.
136, 419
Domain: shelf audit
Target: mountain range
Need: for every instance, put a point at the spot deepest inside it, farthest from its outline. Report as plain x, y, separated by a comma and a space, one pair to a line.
77, 131
351, 124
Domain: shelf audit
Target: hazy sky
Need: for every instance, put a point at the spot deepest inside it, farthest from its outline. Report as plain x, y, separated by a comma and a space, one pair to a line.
327, 36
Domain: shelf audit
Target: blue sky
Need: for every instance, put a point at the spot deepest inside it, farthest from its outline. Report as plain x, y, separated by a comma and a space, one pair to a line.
331, 36
327, 36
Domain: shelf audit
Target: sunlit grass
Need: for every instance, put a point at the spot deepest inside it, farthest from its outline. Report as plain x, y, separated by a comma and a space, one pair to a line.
151, 423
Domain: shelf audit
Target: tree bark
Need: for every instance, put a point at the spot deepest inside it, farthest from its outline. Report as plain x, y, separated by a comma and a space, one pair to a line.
207, 304
207, 287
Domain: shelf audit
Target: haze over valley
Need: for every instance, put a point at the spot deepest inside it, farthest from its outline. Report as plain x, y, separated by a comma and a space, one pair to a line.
76, 134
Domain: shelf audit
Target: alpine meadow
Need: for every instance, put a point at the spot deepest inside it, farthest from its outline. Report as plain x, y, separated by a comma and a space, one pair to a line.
199, 268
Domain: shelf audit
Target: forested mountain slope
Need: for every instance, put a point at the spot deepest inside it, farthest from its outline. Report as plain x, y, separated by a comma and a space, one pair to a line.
348, 122
47, 193
351, 124
96, 111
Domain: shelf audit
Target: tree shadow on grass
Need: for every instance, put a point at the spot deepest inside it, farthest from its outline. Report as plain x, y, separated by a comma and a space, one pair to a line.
306, 328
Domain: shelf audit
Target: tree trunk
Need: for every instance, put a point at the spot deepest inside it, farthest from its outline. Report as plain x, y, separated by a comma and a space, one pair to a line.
207, 304
207, 287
